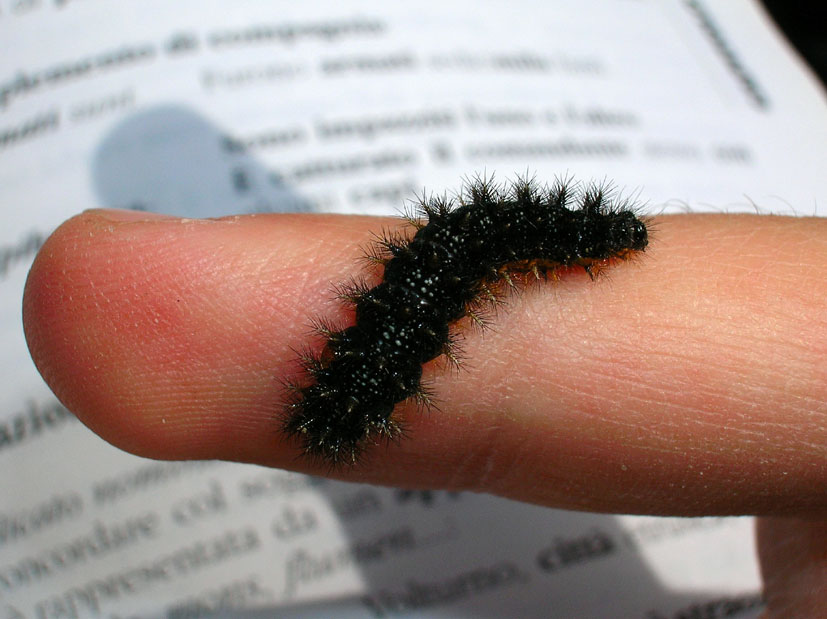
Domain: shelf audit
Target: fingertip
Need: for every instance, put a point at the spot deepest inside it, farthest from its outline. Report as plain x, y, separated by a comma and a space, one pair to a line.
44, 293
163, 334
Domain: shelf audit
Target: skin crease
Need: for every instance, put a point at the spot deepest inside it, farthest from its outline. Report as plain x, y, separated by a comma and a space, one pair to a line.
688, 381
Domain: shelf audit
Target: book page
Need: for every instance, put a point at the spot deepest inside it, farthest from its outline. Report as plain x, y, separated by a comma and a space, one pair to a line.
208, 108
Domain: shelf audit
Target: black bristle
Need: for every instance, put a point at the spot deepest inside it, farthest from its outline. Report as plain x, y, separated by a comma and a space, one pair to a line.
454, 266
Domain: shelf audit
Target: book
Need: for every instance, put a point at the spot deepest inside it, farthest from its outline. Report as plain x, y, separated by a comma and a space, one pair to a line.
205, 109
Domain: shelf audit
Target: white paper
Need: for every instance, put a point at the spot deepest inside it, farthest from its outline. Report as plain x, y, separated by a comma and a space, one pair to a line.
214, 107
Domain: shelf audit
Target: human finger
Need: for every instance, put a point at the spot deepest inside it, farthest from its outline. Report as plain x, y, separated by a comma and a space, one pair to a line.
689, 382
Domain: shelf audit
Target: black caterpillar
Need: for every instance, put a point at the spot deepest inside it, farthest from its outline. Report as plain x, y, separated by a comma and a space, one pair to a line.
456, 263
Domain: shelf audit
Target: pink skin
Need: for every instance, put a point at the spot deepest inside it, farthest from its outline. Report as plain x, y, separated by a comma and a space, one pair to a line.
689, 381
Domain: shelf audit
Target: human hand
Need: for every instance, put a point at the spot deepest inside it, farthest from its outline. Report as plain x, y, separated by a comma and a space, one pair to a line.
689, 383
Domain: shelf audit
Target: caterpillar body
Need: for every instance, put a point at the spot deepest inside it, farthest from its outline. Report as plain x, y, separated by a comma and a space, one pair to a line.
465, 251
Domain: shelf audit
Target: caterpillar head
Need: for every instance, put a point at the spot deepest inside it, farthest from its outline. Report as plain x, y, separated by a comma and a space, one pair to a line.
629, 232
617, 234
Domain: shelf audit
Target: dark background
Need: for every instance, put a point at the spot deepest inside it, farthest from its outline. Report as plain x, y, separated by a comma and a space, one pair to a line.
805, 24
